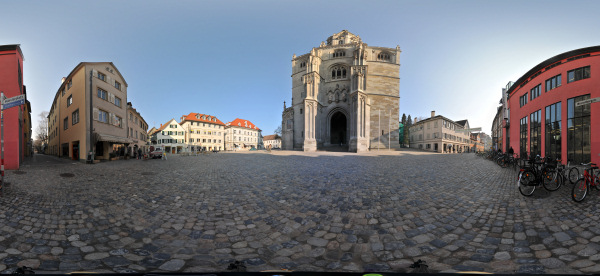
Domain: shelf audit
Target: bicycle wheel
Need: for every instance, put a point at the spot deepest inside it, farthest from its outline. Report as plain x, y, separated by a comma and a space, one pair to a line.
580, 190
573, 175
552, 181
526, 183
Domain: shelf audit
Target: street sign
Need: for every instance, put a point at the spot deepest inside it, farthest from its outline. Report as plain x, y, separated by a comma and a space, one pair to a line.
12, 102
588, 101
469, 129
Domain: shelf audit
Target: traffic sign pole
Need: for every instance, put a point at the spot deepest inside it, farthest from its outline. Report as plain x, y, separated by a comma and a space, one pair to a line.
2, 139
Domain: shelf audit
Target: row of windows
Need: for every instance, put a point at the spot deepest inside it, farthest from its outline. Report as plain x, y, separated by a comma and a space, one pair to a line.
198, 140
245, 132
170, 141
246, 139
338, 72
108, 118
339, 54
554, 82
172, 132
535, 92
205, 132
383, 56
103, 94
135, 119
523, 100
74, 119
102, 77
578, 131
207, 125
142, 136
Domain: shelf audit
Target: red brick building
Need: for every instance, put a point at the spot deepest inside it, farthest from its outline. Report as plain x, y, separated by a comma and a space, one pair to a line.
17, 120
542, 116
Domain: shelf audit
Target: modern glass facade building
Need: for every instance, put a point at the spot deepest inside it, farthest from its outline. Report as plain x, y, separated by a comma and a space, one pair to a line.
548, 108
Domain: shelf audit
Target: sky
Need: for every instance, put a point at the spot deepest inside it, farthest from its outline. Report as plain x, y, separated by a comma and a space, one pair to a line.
232, 59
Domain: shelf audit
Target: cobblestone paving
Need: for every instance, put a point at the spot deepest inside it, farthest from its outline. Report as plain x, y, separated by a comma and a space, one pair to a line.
292, 210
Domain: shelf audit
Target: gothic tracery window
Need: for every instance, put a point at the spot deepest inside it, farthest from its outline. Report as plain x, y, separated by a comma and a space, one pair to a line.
339, 54
338, 72
383, 56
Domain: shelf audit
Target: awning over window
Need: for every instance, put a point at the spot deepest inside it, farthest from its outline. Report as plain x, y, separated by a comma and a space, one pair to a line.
114, 139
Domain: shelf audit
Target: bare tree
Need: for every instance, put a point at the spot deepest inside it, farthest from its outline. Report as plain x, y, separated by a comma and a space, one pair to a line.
278, 131
42, 128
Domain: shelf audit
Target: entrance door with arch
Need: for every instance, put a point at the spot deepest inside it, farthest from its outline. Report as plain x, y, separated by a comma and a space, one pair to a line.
338, 129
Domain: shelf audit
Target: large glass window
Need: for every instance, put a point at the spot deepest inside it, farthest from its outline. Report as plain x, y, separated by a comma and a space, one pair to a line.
535, 92
535, 137
553, 131
578, 130
523, 137
578, 74
553, 82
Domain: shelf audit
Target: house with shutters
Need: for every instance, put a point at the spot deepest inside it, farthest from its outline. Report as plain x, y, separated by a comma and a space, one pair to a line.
171, 137
89, 114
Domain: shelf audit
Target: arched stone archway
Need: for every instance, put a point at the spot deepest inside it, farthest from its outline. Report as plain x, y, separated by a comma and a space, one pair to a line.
338, 126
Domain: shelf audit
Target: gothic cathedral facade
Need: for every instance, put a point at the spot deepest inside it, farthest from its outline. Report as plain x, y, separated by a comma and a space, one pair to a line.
345, 94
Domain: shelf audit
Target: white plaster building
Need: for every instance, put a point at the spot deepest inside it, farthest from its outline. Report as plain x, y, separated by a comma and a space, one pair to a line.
272, 141
242, 134
171, 137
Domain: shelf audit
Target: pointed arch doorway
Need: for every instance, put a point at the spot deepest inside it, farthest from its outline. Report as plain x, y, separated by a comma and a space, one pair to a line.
338, 129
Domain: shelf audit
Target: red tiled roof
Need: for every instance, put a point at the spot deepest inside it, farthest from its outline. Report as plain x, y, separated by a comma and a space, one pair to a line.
197, 117
242, 123
271, 137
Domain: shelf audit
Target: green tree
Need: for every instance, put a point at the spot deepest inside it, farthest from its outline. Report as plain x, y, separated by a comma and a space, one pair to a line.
407, 130
403, 119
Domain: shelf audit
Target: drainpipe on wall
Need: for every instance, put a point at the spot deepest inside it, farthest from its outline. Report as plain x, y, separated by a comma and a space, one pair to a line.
91, 133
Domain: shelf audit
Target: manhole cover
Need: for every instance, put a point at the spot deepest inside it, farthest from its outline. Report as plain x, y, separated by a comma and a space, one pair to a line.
67, 175
20, 172
148, 173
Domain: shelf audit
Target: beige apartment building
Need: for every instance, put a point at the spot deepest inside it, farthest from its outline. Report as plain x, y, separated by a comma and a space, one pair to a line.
242, 134
137, 131
89, 113
440, 134
203, 132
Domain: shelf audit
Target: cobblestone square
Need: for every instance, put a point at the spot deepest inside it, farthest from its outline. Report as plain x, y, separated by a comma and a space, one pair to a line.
323, 211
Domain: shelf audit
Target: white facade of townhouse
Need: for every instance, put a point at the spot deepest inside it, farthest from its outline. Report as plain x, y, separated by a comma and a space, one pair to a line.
171, 137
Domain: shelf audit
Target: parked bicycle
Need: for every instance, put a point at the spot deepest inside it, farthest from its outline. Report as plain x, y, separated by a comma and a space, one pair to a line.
574, 172
583, 186
535, 172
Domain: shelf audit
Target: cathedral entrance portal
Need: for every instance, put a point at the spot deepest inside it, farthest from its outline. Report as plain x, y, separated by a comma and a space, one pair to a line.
338, 129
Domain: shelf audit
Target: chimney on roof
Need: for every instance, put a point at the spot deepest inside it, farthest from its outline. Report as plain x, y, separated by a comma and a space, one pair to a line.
63, 80
432, 113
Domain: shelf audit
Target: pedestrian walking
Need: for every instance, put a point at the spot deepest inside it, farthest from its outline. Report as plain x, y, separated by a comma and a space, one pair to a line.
139, 153
164, 156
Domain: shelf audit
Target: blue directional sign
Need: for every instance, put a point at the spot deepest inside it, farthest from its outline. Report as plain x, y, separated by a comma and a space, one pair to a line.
12, 102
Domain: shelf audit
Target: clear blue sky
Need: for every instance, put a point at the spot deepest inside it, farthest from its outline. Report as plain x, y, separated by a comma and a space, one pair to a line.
233, 58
